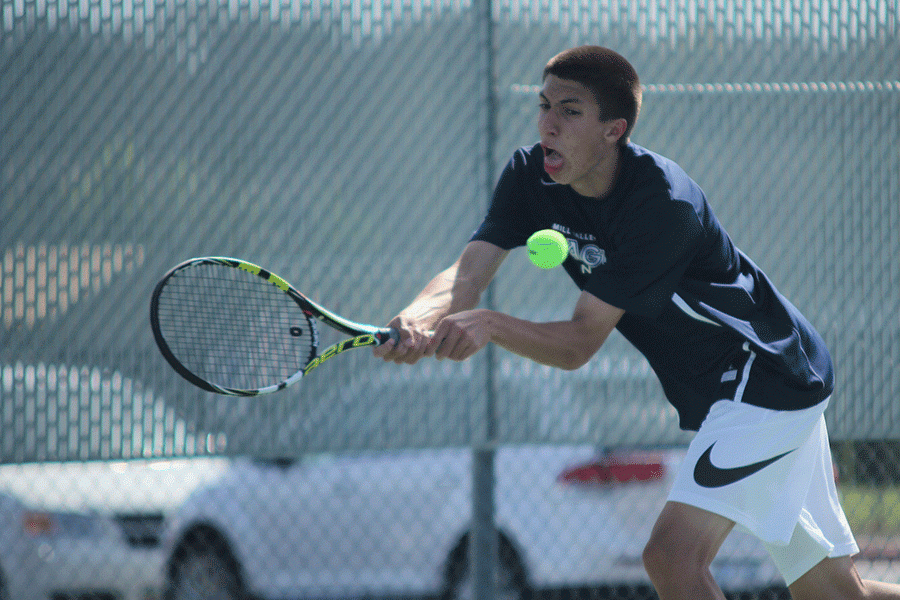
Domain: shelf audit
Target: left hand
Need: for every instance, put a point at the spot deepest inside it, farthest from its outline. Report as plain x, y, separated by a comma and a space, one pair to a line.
460, 336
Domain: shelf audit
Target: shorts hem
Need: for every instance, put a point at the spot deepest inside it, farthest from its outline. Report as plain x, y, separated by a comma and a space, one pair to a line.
793, 572
729, 512
803, 566
848, 549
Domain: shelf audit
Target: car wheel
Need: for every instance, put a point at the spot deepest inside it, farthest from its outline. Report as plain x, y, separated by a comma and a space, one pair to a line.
511, 582
204, 569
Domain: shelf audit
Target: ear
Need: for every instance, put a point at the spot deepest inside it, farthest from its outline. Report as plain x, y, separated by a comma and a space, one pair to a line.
615, 129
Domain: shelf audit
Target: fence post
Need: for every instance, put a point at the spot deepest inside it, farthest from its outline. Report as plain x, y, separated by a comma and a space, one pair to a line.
483, 540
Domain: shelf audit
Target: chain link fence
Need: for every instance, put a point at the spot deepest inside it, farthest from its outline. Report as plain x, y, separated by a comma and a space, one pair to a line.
350, 146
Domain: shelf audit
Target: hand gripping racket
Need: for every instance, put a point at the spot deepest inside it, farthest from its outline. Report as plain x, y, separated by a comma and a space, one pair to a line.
231, 327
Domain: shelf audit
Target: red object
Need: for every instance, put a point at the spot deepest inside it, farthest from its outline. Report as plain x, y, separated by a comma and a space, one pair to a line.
615, 469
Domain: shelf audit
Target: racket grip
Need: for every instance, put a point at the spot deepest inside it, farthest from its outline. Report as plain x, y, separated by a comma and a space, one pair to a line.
395, 335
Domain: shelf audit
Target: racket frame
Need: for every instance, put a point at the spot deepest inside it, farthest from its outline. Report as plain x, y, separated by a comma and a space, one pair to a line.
361, 335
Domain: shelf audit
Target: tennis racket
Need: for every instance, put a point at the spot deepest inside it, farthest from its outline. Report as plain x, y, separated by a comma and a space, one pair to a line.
231, 327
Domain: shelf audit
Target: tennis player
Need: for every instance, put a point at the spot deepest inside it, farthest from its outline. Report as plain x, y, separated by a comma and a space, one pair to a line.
738, 361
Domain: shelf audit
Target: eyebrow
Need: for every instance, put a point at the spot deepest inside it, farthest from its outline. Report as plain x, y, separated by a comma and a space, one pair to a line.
563, 101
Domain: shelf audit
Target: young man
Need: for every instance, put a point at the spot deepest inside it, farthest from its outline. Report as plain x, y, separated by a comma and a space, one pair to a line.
741, 365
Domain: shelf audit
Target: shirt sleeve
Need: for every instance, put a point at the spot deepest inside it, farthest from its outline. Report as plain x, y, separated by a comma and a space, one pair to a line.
506, 224
658, 239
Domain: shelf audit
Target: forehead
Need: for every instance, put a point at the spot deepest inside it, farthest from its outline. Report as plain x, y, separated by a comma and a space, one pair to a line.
559, 90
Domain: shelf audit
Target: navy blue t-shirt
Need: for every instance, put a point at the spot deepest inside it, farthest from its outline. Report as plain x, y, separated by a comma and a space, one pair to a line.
708, 320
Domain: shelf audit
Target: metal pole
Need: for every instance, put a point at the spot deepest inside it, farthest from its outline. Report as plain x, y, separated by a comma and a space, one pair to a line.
483, 539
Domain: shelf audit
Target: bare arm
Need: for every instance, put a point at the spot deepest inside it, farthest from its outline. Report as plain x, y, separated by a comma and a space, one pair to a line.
563, 344
442, 320
456, 289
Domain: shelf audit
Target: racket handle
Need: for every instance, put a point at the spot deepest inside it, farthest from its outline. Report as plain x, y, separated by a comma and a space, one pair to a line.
395, 335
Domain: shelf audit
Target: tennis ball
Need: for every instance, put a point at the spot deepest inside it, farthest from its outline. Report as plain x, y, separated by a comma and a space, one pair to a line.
547, 248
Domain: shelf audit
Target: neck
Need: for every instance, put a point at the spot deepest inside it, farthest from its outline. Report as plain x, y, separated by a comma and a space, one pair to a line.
606, 173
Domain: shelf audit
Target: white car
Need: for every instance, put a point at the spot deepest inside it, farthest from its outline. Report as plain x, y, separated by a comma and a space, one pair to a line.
48, 554
390, 524
87, 530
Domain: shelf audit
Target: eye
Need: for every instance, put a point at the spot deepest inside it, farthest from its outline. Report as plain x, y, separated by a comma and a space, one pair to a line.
544, 106
572, 112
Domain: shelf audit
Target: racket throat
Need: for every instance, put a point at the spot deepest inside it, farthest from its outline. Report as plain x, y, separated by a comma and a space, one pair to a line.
367, 339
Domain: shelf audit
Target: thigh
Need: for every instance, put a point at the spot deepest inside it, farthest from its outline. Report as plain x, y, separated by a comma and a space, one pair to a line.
831, 578
688, 532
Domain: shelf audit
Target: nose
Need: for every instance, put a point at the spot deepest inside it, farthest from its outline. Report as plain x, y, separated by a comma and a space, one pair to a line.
547, 123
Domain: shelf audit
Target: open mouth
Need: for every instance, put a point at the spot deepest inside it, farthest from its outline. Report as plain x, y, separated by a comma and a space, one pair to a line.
553, 160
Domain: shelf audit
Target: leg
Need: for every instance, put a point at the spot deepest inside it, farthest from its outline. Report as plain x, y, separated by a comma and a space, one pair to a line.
682, 545
838, 579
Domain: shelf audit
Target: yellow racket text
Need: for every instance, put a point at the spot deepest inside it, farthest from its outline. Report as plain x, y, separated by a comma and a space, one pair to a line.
279, 282
357, 342
249, 267
271, 277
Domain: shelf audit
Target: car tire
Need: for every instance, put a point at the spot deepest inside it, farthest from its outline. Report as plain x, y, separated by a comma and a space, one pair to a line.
511, 582
203, 568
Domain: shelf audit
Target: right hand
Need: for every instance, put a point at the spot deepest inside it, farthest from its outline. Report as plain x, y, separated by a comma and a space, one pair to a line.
411, 347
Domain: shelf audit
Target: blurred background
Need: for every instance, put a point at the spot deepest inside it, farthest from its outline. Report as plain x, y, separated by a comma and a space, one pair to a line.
351, 146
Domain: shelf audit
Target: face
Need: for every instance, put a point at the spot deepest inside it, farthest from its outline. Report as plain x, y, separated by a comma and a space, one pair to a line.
580, 150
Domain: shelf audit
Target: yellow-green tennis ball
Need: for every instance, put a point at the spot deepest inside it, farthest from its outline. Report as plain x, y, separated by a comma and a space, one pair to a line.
547, 248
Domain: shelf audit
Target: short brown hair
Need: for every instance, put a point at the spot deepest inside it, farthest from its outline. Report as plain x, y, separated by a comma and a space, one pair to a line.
608, 75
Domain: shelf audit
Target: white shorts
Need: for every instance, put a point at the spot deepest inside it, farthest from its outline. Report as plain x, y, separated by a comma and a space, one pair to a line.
771, 473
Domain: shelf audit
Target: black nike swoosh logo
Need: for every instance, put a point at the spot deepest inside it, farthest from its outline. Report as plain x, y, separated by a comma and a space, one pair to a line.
709, 475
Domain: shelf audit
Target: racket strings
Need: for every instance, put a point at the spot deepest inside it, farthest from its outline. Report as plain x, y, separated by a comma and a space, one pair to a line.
233, 328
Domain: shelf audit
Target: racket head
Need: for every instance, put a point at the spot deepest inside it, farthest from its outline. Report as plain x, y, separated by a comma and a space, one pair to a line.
230, 327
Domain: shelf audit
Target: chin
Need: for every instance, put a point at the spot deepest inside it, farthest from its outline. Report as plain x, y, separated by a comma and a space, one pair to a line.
559, 178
